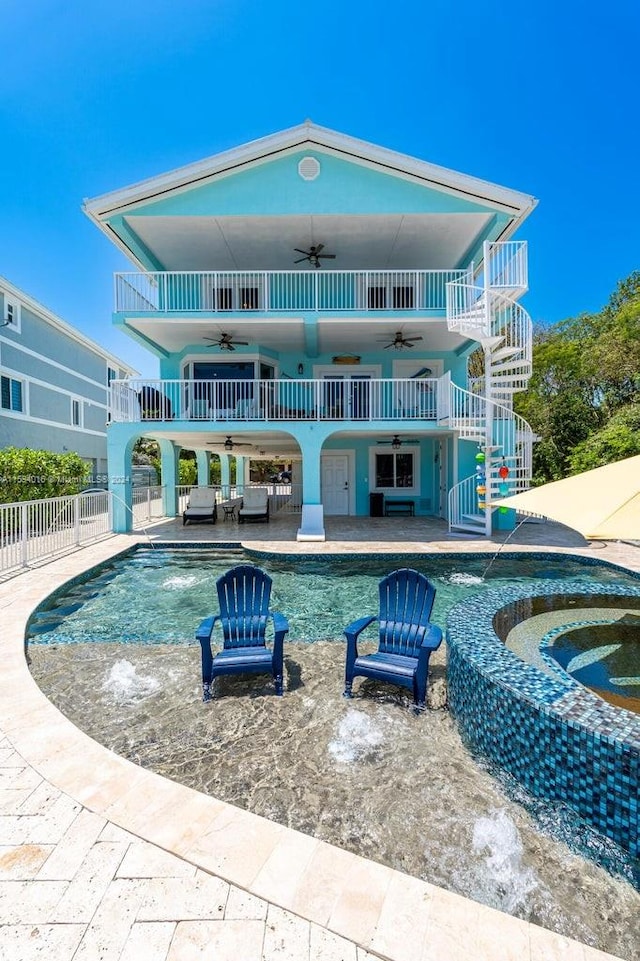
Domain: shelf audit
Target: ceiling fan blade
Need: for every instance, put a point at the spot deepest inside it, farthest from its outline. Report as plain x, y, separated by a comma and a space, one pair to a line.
298, 251
241, 343
327, 256
300, 260
317, 249
390, 345
407, 339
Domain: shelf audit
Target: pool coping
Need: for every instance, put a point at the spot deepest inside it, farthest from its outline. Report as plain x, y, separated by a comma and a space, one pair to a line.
384, 911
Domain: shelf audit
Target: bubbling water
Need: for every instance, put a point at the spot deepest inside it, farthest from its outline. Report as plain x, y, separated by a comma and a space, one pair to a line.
125, 684
502, 877
357, 739
180, 582
465, 580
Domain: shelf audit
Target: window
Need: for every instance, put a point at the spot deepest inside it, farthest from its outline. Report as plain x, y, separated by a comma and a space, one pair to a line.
11, 313
224, 297
11, 394
75, 413
394, 470
111, 375
249, 298
403, 298
377, 298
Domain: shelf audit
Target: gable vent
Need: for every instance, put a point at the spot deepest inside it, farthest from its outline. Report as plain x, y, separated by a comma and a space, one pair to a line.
309, 168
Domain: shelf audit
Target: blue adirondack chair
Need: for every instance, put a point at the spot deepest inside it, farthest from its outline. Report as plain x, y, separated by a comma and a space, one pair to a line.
243, 595
406, 638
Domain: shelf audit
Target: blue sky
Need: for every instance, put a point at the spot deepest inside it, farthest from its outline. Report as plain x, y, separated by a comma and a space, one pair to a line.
541, 97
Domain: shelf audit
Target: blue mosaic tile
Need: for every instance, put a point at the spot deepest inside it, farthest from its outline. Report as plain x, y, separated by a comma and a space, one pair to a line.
560, 740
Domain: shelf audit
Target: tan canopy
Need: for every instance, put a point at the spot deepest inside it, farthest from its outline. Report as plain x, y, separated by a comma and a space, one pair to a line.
602, 503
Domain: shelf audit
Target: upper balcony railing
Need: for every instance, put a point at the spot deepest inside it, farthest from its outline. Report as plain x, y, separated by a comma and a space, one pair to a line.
213, 401
283, 290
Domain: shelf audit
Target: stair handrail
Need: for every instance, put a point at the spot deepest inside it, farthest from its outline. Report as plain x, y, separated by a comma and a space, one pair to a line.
506, 265
468, 415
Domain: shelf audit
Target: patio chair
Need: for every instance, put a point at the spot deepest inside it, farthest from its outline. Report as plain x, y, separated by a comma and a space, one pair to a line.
406, 638
201, 506
255, 505
243, 595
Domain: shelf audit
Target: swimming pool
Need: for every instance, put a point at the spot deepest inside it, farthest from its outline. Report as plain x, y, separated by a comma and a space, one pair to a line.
159, 595
312, 760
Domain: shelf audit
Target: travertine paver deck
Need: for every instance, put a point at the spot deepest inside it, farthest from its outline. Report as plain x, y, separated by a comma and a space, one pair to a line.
100, 859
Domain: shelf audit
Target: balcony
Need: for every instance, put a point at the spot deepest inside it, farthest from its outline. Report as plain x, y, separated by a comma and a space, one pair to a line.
276, 401
269, 291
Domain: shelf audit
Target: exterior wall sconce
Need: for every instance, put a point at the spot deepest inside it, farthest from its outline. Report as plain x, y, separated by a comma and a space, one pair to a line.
396, 442
301, 369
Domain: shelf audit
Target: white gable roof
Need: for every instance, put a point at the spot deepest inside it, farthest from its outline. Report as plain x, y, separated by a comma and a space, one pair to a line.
308, 134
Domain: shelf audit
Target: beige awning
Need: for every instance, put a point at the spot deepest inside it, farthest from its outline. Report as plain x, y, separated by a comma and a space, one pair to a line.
602, 503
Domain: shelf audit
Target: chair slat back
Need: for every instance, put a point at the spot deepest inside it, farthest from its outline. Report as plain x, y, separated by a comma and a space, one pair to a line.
244, 593
406, 601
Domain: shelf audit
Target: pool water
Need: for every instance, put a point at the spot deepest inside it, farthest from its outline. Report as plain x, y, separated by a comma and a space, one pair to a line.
366, 774
155, 596
604, 657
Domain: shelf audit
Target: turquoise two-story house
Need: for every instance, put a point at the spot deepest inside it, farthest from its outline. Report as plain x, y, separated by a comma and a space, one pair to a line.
315, 299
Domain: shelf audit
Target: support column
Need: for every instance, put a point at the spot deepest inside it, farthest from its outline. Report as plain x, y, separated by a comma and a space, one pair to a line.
242, 470
312, 524
169, 456
203, 461
119, 448
225, 476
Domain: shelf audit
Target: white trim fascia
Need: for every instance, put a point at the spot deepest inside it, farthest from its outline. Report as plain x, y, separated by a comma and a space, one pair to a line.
27, 379
53, 363
45, 314
17, 415
316, 137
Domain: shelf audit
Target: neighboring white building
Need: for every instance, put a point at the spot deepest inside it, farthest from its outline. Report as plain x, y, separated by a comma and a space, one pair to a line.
53, 382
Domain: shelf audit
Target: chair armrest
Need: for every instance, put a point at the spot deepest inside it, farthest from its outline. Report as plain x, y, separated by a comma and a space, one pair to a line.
356, 627
280, 622
432, 638
352, 633
203, 634
206, 628
280, 627
430, 643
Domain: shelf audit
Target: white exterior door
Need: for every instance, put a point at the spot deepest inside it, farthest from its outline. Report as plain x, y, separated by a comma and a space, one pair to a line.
335, 483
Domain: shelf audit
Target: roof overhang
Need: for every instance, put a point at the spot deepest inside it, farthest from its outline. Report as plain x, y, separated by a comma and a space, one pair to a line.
513, 205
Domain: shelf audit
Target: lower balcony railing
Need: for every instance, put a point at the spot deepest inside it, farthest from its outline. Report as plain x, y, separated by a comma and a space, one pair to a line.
264, 401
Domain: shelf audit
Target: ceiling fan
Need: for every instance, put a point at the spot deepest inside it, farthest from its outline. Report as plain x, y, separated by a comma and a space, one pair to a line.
229, 444
226, 342
396, 442
313, 255
399, 341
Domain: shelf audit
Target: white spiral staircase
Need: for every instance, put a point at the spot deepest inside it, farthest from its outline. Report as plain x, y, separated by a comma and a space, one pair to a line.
490, 314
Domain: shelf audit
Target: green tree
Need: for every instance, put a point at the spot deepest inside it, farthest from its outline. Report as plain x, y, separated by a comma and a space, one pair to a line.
27, 474
586, 370
619, 438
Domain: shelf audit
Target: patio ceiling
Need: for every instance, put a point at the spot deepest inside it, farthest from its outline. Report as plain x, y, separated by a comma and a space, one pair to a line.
376, 242
283, 333
267, 444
